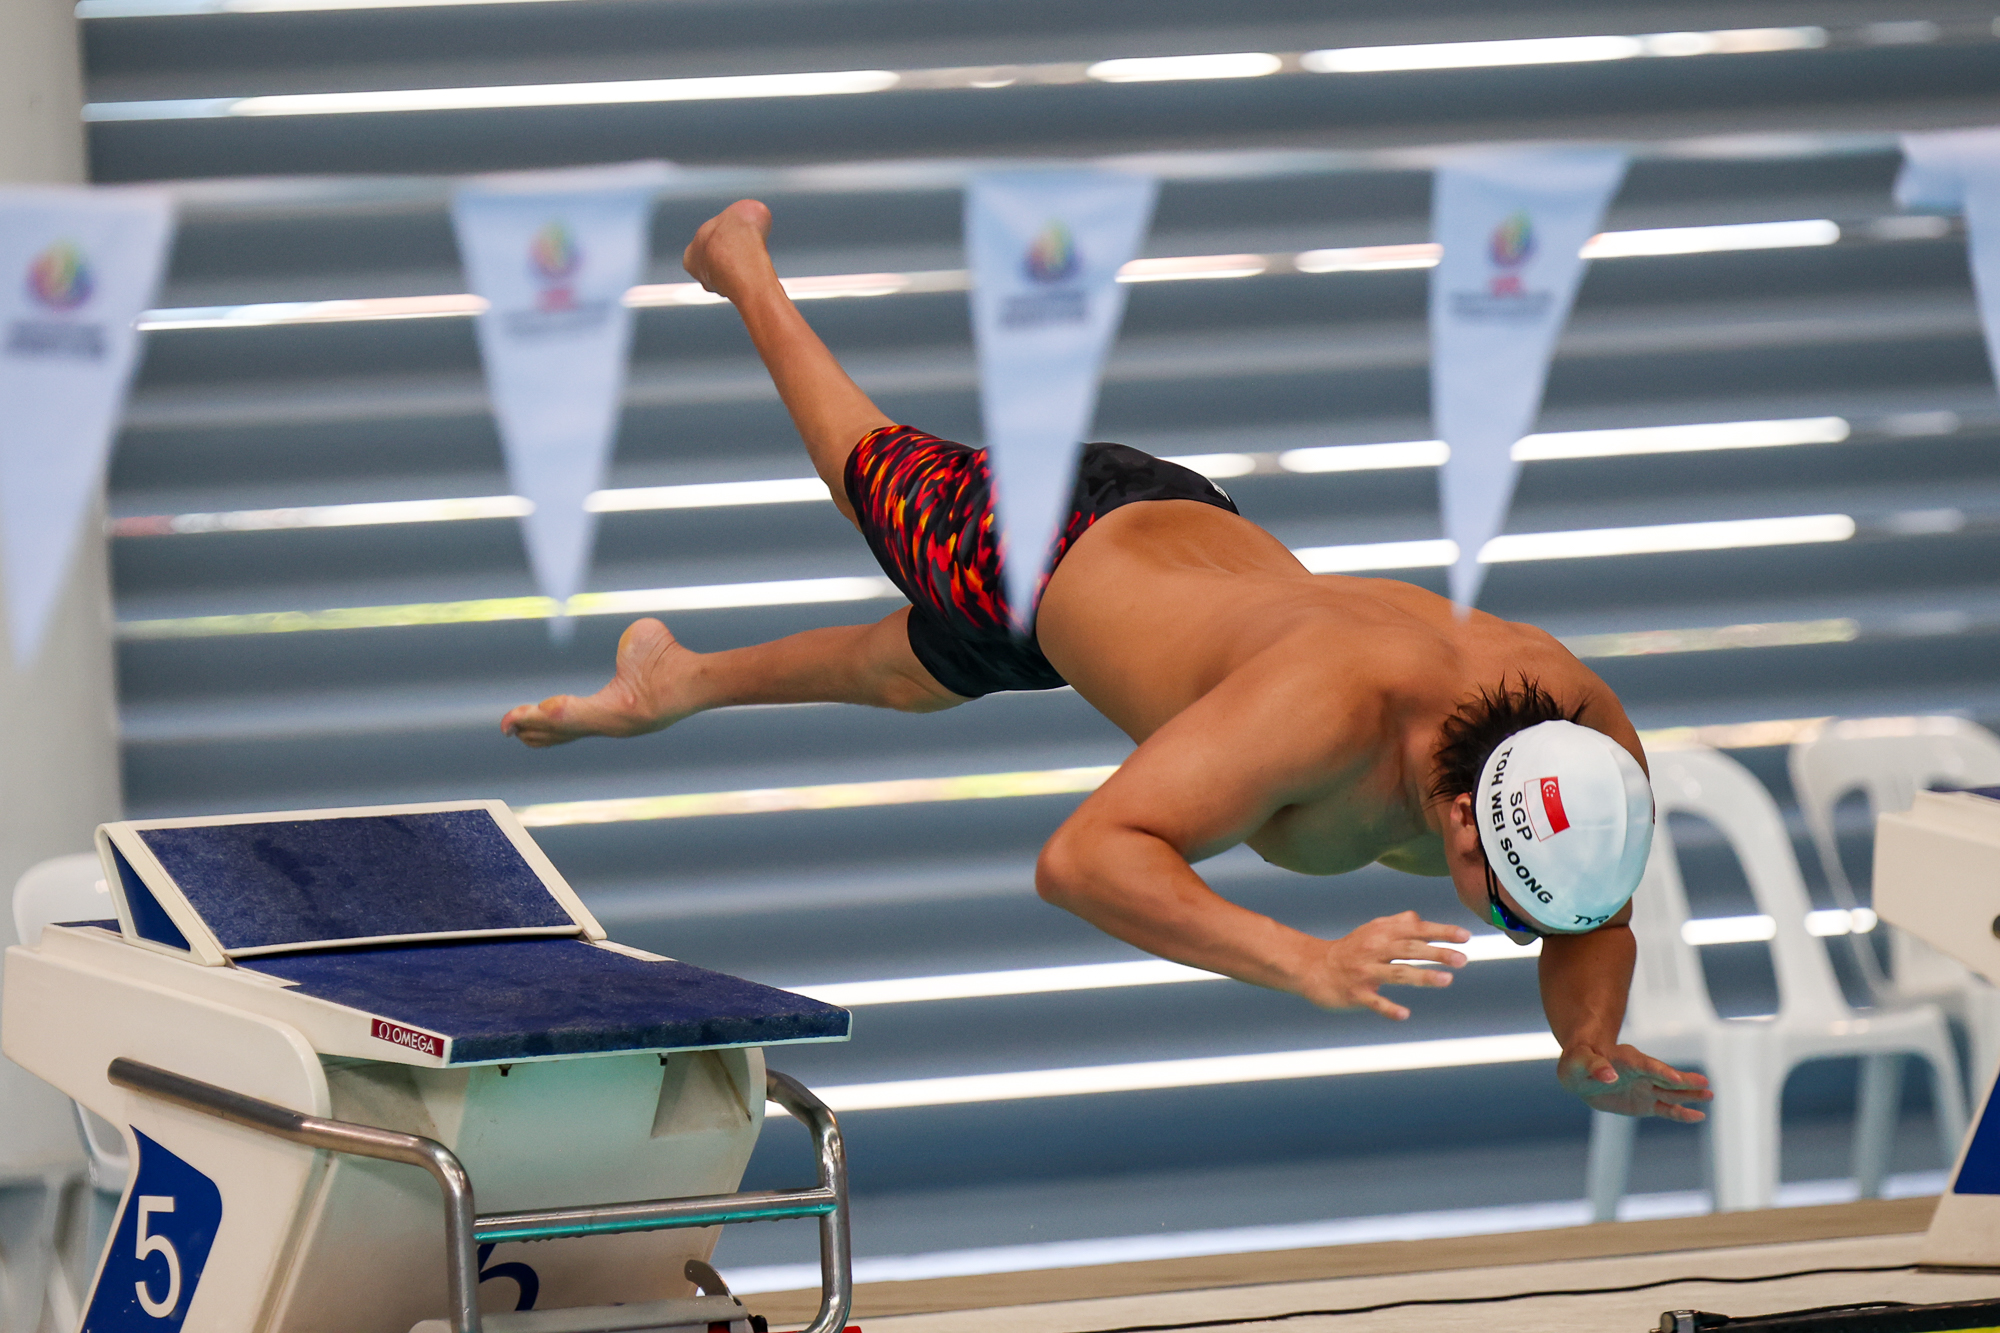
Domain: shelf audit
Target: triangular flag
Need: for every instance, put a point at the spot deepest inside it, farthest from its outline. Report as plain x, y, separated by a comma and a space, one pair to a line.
1511, 225
553, 254
1044, 248
78, 266
1959, 171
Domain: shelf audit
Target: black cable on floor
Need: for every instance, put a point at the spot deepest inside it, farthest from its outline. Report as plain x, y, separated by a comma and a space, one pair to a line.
1492, 1300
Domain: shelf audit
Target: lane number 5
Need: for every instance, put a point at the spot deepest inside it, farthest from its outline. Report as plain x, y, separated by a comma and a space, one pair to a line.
150, 1245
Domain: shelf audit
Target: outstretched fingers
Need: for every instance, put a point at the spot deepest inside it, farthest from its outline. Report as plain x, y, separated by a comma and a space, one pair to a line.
1389, 1009
1435, 930
1404, 974
1423, 951
1664, 1074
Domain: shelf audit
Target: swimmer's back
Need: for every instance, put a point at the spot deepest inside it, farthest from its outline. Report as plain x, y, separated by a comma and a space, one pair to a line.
1157, 603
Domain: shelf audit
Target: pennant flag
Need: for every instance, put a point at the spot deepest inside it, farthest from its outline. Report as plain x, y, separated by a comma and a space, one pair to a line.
1512, 226
1044, 248
77, 268
552, 255
1955, 171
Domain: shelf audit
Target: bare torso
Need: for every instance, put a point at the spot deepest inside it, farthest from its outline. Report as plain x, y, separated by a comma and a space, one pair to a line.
1159, 603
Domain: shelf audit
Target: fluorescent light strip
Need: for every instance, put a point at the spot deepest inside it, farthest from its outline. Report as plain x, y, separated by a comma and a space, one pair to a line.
1208, 1071
125, 9
326, 516
1216, 465
797, 490
727, 87
1770, 634
1630, 441
1735, 735
705, 495
1195, 268
1365, 457
1557, 50
1619, 443
1710, 240
1728, 534
1141, 69
1369, 258
699, 495
837, 286
1753, 929
1160, 69
781, 592
450, 306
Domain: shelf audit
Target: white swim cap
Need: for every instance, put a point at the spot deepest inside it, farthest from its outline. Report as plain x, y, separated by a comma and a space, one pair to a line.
1566, 819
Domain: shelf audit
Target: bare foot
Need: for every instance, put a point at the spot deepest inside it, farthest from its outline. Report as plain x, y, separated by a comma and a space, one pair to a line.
652, 689
729, 251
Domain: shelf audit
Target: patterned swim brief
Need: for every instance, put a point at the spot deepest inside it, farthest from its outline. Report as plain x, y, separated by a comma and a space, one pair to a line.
925, 508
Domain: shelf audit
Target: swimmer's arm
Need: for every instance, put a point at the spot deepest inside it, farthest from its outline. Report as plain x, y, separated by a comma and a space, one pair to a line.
1204, 782
1585, 979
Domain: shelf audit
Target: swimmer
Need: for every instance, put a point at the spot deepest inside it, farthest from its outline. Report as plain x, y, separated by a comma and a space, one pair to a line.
1324, 720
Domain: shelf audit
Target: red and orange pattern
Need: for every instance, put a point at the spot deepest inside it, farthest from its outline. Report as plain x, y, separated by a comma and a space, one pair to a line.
925, 505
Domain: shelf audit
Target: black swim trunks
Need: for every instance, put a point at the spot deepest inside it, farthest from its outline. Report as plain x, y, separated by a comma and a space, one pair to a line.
925, 508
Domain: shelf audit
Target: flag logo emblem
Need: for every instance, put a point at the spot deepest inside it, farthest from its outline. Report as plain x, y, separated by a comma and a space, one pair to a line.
554, 252
59, 278
1547, 813
1052, 255
1513, 241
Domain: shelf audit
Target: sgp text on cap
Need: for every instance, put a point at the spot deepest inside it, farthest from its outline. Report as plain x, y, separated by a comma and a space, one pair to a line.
1565, 817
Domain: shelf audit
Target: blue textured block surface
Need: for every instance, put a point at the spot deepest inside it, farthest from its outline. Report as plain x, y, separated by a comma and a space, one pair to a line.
513, 999
1979, 1173
149, 920
302, 881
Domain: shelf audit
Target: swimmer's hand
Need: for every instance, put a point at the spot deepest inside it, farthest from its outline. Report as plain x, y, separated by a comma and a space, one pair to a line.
727, 255
1353, 968
1626, 1081
653, 688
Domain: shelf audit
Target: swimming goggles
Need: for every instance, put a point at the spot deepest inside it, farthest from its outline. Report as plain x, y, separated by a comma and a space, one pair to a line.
1498, 913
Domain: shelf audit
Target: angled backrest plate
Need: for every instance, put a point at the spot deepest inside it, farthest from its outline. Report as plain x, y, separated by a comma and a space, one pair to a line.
284, 882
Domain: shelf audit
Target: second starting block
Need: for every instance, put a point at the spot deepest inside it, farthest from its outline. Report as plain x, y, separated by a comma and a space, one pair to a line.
292, 1011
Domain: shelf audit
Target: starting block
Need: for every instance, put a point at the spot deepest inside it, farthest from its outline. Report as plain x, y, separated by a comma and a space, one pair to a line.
1937, 875
292, 1011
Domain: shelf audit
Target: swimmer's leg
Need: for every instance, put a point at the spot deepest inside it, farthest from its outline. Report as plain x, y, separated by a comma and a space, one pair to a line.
659, 681
728, 256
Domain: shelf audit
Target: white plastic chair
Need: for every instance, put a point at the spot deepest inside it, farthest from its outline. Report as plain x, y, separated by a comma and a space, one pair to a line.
1668, 1014
1747, 1060
72, 888
1889, 760
65, 888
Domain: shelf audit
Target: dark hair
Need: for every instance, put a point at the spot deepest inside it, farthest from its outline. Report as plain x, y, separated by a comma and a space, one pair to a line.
1474, 731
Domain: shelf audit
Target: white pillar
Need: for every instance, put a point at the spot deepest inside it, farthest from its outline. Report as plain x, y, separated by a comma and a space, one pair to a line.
59, 748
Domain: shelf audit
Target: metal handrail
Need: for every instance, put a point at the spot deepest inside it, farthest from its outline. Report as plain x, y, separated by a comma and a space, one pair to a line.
465, 1230
461, 1258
